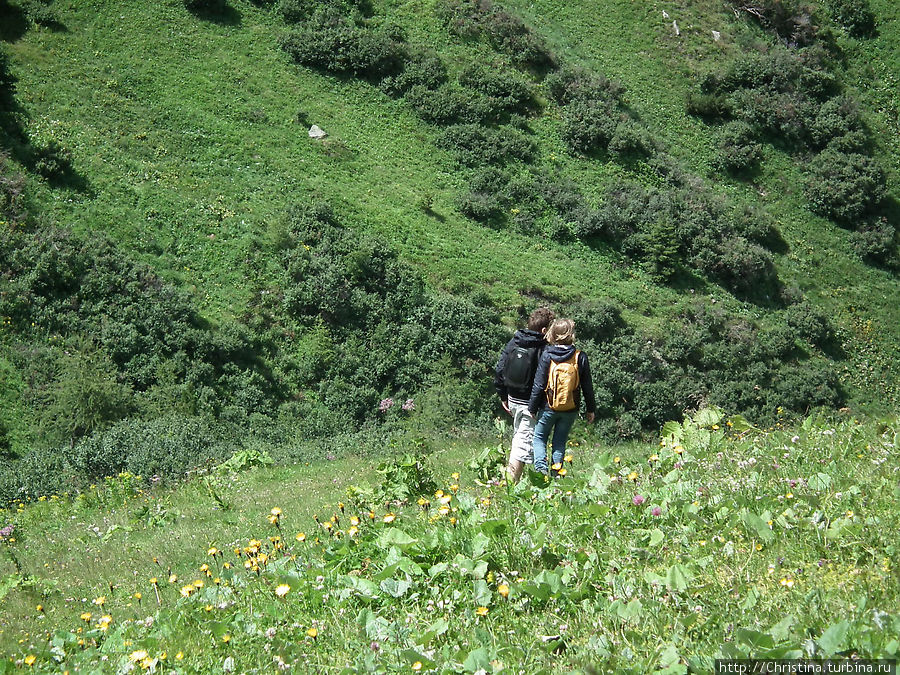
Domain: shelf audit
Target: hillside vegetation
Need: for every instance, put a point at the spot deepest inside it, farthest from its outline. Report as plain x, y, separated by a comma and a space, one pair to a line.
185, 273
718, 541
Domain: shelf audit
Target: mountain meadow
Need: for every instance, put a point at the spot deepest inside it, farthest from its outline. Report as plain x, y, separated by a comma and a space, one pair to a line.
258, 259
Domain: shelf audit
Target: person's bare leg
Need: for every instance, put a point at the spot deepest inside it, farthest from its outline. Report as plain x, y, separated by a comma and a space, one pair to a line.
514, 470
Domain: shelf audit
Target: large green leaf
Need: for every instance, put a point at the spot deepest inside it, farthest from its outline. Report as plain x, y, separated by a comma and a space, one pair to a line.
834, 638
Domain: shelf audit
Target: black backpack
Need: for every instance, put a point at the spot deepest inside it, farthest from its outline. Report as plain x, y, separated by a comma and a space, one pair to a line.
518, 373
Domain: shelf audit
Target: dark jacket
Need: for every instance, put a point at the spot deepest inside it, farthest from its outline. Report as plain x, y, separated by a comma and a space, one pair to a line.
523, 338
559, 353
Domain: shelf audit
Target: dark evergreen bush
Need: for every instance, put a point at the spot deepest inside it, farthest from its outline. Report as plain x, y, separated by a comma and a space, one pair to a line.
844, 187
810, 323
331, 42
854, 15
876, 240
738, 150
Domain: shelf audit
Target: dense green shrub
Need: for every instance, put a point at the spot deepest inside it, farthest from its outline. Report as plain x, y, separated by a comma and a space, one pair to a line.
53, 161
709, 106
385, 335
505, 32
59, 285
166, 447
844, 187
791, 20
447, 104
631, 138
589, 126
505, 88
12, 190
854, 15
810, 323
486, 200
595, 320
570, 84
297, 11
876, 240
476, 145
421, 69
738, 149
331, 42
836, 118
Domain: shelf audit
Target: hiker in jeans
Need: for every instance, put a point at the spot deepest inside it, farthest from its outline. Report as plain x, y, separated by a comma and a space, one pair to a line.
513, 379
563, 376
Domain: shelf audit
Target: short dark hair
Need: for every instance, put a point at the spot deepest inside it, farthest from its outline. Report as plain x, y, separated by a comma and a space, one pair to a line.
540, 318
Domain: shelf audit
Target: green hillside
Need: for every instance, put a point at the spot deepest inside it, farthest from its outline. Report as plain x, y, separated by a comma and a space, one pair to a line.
178, 253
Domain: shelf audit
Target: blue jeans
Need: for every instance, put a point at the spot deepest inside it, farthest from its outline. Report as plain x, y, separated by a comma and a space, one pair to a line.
561, 424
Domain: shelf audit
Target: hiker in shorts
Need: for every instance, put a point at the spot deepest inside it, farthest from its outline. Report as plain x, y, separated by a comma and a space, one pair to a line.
513, 379
563, 376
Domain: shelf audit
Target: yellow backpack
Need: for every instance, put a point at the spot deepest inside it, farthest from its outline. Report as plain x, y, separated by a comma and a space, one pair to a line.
562, 381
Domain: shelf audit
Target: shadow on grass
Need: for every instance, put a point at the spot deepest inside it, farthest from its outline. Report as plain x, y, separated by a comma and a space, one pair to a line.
215, 11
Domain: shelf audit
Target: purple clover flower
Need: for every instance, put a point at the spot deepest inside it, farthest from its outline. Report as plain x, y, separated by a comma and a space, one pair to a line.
8, 530
409, 405
656, 511
385, 405
637, 500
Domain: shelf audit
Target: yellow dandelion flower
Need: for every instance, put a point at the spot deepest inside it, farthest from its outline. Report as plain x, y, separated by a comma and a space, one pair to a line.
715, 427
444, 510
389, 518
568, 459
276, 512
301, 536
633, 476
30, 659
417, 666
439, 494
353, 531
204, 567
282, 590
562, 472
503, 590
100, 601
421, 501
617, 460
759, 547
446, 499
482, 611
173, 578
371, 515
454, 488
153, 581
138, 655
138, 596
354, 520
186, 591
313, 632
557, 466
179, 656
678, 449
453, 520
40, 608
485, 501
86, 616
455, 475
147, 663
226, 638
213, 551
198, 583
789, 495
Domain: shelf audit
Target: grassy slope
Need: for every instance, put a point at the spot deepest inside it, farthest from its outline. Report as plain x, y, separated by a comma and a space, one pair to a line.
809, 483
186, 133
74, 545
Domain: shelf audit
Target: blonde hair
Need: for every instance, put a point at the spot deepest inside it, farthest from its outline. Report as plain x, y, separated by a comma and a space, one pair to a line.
561, 332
